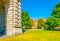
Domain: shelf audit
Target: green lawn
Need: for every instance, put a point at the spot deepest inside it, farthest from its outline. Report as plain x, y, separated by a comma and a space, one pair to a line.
36, 35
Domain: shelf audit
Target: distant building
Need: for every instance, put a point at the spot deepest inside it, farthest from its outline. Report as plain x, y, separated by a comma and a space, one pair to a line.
35, 24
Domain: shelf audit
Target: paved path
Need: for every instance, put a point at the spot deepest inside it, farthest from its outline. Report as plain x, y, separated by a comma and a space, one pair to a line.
4, 36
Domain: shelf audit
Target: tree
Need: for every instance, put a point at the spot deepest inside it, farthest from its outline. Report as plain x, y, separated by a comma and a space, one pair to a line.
56, 11
54, 20
31, 21
25, 19
52, 23
41, 23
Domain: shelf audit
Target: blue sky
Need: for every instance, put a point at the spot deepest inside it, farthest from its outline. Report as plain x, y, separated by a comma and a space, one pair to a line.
39, 8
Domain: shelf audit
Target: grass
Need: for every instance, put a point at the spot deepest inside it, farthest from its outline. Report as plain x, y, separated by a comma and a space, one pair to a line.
36, 35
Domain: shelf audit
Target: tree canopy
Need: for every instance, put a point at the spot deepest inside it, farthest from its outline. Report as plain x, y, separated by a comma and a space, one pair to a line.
56, 11
41, 23
54, 20
25, 19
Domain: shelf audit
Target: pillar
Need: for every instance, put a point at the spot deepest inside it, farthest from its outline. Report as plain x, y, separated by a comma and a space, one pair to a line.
9, 18
13, 17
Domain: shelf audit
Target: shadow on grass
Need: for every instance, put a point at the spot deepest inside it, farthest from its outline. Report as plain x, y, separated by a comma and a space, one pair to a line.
24, 30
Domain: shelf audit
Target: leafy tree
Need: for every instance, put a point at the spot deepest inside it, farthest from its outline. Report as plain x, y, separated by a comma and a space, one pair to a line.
54, 20
56, 11
41, 23
31, 21
25, 19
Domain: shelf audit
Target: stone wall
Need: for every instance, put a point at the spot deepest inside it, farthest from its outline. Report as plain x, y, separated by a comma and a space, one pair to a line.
13, 17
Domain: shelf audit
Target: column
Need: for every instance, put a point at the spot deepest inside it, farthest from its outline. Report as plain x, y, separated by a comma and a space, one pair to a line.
9, 18
15, 15
19, 7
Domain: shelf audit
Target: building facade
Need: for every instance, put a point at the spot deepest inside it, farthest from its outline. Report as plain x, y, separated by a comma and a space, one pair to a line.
11, 16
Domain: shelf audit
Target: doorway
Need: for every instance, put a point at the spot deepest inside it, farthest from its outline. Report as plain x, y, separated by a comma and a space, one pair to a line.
2, 19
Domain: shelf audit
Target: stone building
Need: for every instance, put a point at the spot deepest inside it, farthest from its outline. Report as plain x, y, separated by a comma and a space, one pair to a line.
35, 24
10, 16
